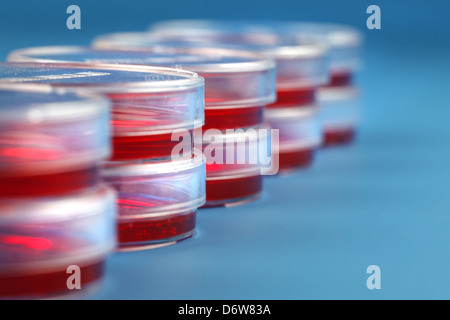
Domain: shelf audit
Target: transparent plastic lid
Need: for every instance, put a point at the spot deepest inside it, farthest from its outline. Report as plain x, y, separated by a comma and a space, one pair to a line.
340, 108
102, 78
41, 104
42, 131
299, 63
232, 77
145, 100
153, 167
78, 205
298, 127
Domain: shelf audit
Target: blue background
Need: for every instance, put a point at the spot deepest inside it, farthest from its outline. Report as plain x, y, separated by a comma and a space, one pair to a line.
384, 200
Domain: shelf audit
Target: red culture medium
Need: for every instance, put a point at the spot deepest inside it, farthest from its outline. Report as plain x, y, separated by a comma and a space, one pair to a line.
289, 160
144, 147
339, 136
156, 230
234, 190
293, 98
47, 283
55, 184
340, 79
233, 118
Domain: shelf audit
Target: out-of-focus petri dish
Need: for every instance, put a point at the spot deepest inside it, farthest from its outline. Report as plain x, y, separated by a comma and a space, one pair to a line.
302, 68
339, 114
148, 103
300, 136
157, 200
343, 44
50, 143
42, 239
338, 98
233, 166
343, 41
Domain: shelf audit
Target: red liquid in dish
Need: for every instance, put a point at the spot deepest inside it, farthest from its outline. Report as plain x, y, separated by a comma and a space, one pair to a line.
340, 79
232, 118
224, 191
142, 232
145, 147
47, 283
48, 185
295, 159
293, 98
338, 136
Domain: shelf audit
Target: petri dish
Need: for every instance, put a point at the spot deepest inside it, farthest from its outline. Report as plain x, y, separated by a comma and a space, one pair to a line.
233, 166
157, 200
42, 238
300, 135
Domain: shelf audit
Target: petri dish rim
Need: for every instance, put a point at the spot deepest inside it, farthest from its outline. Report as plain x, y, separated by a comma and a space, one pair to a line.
259, 63
190, 79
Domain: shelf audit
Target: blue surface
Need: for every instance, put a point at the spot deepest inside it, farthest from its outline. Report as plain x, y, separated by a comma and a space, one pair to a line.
384, 200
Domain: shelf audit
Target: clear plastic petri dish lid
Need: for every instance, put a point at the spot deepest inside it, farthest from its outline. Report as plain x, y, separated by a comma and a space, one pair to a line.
145, 100
344, 42
233, 78
39, 234
340, 108
299, 63
150, 189
43, 131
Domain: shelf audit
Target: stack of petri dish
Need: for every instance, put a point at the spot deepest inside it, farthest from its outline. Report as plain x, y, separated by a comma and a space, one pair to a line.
301, 69
157, 194
339, 98
55, 214
238, 86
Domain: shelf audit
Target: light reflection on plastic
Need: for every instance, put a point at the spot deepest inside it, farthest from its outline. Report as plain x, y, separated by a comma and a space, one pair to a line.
31, 153
30, 242
129, 204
